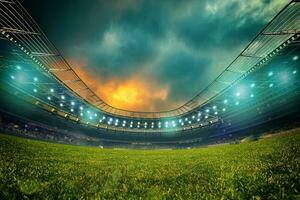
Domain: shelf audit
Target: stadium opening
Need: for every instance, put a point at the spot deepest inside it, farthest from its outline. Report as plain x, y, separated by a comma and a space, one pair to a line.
137, 99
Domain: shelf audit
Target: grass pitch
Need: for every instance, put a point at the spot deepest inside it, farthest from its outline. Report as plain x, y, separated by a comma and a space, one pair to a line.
264, 169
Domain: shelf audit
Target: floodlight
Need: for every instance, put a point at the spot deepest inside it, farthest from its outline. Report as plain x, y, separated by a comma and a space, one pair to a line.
35, 79
214, 107
35, 90
295, 58
190, 122
81, 114
252, 85
216, 113
237, 94
18, 67
193, 117
81, 108
72, 110
271, 85
295, 72
198, 119
206, 116
224, 109
72, 103
12, 77
95, 114
61, 105
62, 97
207, 110
49, 98
270, 73
237, 103
251, 95
225, 101
51, 90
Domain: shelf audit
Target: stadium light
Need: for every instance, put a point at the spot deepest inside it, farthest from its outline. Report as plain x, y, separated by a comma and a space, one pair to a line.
295, 72
51, 90
186, 119
35, 79
62, 97
81, 108
252, 85
214, 107
193, 117
206, 116
198, 119
216, 113
81, 114
18, 67
237, 103
225, 101
72, 103
295, 58
270, 73
95, 115
223, 109
61, 105
49, 98
271, 85
12, 77
251, 95
182, 124
199, 114
72, 110
35, 90
207, 110
238, 94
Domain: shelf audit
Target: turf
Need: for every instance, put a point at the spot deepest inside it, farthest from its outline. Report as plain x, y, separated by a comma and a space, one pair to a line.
264, 169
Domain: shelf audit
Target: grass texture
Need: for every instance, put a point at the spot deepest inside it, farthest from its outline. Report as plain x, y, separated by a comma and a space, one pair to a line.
264, 169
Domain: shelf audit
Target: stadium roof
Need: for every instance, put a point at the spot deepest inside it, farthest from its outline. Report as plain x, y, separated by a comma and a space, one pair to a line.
23, 31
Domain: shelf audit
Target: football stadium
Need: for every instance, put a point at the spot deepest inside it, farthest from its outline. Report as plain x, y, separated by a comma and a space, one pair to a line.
136, 99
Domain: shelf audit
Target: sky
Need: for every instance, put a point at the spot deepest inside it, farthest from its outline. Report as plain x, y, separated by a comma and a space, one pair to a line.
144, 55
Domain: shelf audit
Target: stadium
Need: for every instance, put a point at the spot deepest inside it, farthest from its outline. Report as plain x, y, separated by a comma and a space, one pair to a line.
149, 100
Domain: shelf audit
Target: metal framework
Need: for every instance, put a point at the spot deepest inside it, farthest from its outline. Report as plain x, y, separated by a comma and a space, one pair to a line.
17, 26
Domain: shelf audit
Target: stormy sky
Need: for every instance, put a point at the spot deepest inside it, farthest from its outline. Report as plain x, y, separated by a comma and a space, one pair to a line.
148, 55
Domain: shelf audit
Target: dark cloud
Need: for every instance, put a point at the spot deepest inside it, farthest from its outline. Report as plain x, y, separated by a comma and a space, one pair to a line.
179, 44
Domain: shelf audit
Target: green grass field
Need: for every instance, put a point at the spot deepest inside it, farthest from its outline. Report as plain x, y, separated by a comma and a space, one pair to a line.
264, 169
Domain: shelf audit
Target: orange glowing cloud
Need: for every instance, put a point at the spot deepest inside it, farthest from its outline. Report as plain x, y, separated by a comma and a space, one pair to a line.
136, 93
